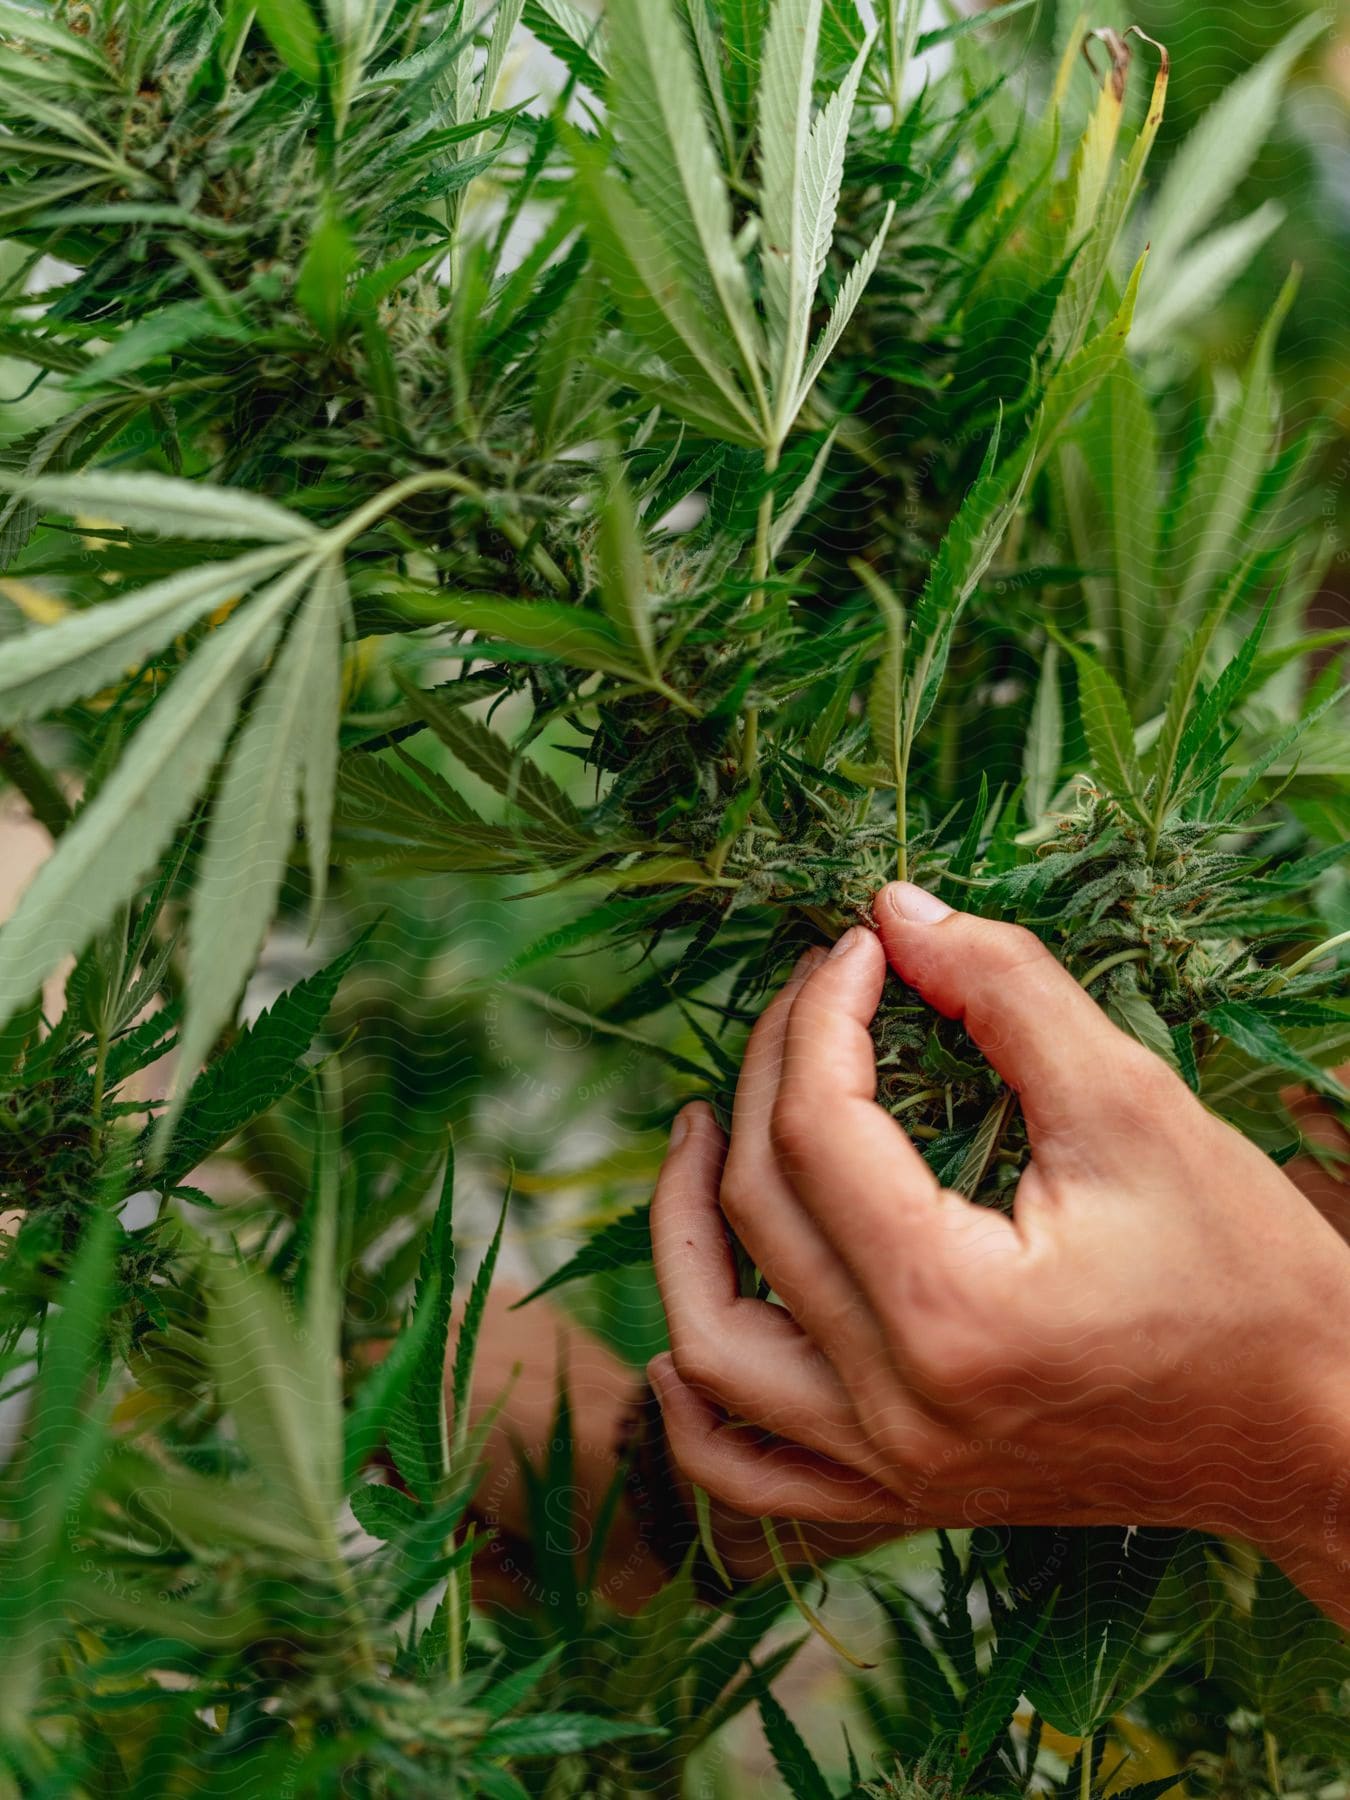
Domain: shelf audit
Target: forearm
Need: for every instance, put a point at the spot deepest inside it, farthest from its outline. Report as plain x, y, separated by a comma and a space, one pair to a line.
1313, 1545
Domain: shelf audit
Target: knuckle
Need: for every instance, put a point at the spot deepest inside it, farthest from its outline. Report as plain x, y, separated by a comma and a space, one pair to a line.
791, 1130
1146, 1089
1008, 950
701, 1363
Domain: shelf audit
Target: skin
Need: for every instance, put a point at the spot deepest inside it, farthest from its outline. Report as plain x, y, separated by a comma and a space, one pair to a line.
1156, 1336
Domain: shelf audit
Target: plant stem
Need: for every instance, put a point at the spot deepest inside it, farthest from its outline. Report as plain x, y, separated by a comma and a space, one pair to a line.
759, 575
1273, 1763
1085, 1770
1110, 962
1309, 957
445, 480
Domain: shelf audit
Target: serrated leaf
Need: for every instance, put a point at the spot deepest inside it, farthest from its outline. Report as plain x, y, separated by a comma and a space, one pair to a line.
1120, 444
1211, 162
284, 1398
117, 836
384, 1512
258, 1068
991, 1704
799, 1769
844, 307
1200, 276
466, 1344
565, 634
1110, 732
1105, 1578
418, 1432
623, 574
55, 665
787, 80
1257, 1035
491, 759
675, 174
252, 828
799, 503
623, 1243
164, 505
1226, 476
1044, 748
575, 39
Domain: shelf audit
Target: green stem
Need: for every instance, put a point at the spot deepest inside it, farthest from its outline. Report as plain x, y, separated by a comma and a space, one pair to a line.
759, 575
1110, 962
894, 62
1309, 957
1085, 1770
1273, 1763
340, 536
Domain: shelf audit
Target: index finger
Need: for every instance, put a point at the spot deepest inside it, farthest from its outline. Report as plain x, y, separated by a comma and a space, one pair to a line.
856, 1171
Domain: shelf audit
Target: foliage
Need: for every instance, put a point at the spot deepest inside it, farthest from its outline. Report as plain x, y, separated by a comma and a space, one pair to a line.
765, 432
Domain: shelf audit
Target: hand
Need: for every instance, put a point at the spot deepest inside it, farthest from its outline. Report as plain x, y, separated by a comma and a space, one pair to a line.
1155, 1337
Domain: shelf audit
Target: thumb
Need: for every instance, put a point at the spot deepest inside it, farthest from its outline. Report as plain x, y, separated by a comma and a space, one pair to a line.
1047, 1038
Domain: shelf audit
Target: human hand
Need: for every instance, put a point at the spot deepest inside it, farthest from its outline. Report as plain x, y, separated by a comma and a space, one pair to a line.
1155, 1337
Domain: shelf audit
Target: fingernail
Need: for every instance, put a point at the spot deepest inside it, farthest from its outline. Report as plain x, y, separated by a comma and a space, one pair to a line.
850, 941
916, 904
679, 1127
805, 963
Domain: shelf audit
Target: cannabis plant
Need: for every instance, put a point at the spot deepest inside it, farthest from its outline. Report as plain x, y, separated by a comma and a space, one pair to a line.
751, 425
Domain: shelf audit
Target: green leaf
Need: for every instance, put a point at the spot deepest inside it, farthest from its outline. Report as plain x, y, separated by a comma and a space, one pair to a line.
418, 1434
381, 1396
1226, 477
260, 1067
384, 1512
1120, 444
118, 835
52, 666
1200, 277
294, 35
64, 1436
624, 1243
559, 1734
1110, 732
1043, 751
1105, 1578
164, 506
559, 633
466, 1344
1209, 165
659, 306
158, 334
806, 193
794, 1762
623, 574
284, 1398
321, 286
844, 307
252, 828
1257, 1035
674, 171
574, 39
992, 1703
492, 760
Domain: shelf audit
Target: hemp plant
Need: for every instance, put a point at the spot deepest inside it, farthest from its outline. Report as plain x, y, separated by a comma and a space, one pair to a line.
750, 426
